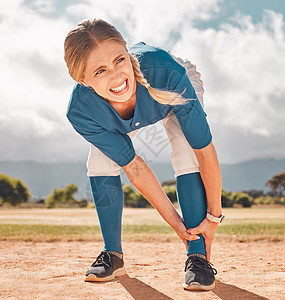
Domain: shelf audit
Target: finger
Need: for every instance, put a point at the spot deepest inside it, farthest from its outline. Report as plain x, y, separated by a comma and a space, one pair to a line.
195, 230
192, 237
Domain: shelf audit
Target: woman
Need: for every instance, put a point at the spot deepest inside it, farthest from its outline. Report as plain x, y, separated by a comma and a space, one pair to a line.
116, 95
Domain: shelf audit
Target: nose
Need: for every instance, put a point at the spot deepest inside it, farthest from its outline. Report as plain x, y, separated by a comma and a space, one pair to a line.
116, 77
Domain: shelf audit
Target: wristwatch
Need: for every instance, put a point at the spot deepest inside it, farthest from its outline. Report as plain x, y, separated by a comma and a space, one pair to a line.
215, 219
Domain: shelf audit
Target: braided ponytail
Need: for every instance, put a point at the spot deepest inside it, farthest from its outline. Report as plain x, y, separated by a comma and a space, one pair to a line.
163, 97
81, 40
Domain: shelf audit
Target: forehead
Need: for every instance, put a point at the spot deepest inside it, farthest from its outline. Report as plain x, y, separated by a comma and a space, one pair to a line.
105, 53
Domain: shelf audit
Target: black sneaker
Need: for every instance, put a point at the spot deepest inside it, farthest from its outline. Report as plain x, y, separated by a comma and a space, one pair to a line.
200, 275
106, 267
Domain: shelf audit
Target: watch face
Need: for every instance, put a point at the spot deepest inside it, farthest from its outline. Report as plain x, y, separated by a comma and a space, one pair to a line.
222, 218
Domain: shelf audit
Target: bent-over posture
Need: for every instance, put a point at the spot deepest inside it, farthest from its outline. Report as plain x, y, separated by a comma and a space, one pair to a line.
118, 92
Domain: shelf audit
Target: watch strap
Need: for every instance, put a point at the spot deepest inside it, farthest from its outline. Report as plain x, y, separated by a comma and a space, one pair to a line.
214, 219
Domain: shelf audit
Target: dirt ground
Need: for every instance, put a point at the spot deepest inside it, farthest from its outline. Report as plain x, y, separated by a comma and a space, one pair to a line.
29, 270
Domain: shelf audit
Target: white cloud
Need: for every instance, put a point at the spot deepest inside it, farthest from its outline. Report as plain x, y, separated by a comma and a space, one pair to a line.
242, 66
10, 8
43, 6
35, 86
151, 21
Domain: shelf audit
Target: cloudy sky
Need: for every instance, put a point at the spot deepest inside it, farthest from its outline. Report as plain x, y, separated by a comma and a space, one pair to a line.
237, 45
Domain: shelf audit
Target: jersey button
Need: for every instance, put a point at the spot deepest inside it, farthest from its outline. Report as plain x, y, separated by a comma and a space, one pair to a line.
137, 124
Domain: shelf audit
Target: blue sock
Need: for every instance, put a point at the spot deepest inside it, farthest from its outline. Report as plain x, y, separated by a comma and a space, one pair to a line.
108, 197
193, 204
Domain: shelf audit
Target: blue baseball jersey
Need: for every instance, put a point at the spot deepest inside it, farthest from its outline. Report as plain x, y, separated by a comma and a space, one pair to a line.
101, 125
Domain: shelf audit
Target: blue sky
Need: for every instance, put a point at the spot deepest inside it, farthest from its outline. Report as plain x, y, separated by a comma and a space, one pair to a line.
252, 8
238, 47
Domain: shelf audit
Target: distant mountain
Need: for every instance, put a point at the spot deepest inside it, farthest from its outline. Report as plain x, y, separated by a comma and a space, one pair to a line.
251, 174
41, 178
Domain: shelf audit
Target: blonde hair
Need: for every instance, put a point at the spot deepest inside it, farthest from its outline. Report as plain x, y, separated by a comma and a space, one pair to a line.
81, 40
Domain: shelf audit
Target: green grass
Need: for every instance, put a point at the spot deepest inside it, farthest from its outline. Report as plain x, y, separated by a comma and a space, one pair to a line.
252, 229
25, 232
39, 232
70, 232
242, 224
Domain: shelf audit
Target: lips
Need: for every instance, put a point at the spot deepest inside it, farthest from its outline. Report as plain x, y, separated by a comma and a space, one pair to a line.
119, 88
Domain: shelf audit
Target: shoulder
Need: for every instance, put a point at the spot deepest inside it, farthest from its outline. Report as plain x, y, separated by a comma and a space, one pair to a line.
160, 69
82, 102
155, 57
77, 92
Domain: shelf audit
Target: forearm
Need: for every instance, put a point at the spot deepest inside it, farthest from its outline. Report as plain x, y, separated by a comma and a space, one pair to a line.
142, 177
211, 176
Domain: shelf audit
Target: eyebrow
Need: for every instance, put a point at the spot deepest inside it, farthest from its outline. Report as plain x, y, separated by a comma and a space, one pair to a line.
102, 67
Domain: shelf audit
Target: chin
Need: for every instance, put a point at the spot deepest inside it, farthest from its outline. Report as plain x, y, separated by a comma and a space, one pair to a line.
121, 99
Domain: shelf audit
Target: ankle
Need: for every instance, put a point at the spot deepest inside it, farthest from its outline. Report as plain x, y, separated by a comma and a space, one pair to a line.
118, 254
201, 255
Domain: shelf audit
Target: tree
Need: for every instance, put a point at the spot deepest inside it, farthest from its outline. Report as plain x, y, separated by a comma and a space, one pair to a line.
227, 200
133, 198
82, 203
61, 196
69, 191
13, 191
22, 191
268, 200
277, 184
7, 191
242, 199
128, 194
170, 191
254, 193
169, 182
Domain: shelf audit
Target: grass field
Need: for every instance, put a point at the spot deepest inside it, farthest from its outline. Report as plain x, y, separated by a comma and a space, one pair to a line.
242, 224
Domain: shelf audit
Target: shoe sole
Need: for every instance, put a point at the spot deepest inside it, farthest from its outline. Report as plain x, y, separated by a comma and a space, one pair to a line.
194, 286
117, 273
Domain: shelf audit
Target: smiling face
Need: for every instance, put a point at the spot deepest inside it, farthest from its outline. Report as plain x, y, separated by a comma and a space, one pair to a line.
110, 73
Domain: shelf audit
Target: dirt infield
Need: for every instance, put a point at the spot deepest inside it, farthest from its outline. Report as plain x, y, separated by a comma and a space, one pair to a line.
29, 270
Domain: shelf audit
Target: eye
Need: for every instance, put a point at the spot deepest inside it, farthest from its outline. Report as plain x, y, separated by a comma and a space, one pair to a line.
121, 59
99, 72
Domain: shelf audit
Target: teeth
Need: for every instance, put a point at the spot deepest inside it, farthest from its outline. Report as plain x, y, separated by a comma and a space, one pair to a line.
119, 88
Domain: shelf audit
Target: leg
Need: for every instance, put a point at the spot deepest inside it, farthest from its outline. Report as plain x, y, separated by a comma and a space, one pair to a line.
191, 196
193, 204
106, 187
192, 200
190, 190
108, 197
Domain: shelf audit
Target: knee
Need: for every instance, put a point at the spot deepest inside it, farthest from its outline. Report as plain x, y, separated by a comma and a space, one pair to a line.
98, 164
106, 190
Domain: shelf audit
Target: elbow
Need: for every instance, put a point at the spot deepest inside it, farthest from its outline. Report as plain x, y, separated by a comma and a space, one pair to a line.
206, 153
129, 166
204, 149
134, 168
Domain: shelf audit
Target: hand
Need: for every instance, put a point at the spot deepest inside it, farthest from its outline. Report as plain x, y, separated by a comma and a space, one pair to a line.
208, 230
182, 232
